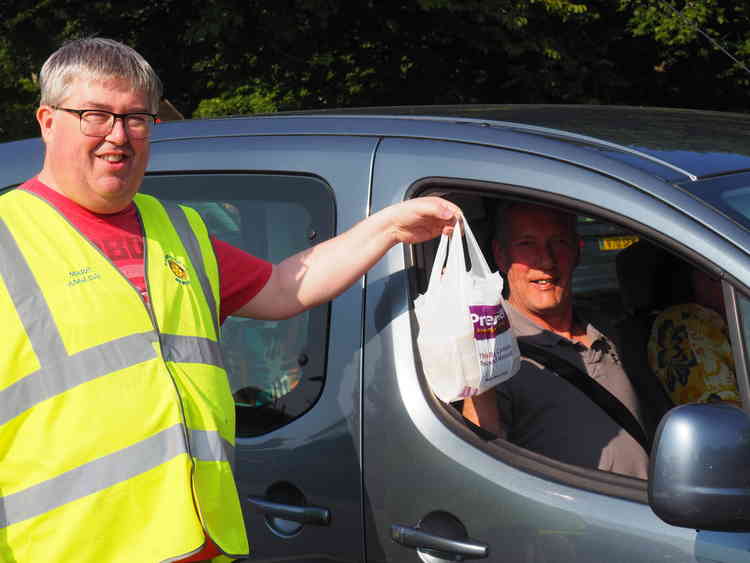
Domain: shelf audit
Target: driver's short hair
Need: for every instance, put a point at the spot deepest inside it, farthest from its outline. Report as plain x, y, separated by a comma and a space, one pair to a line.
503, 209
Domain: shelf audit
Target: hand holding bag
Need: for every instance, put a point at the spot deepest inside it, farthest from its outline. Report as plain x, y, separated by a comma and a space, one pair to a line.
464, 339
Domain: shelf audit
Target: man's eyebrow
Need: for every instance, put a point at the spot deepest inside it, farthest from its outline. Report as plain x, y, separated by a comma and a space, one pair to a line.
95, 105
106, 107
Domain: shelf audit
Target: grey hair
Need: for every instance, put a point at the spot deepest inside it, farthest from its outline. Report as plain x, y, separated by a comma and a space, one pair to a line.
97, 58
502, 212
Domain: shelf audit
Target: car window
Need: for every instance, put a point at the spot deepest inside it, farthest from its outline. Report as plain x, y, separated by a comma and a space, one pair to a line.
728, 193
669, 341
595, 279
276, 368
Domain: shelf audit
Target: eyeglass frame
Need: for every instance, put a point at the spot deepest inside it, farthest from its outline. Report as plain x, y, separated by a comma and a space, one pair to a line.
115, 116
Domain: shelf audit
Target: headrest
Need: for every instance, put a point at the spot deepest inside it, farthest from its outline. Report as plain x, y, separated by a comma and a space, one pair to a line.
647, 275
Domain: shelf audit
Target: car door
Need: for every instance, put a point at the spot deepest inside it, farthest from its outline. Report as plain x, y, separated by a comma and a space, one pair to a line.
435, 491
295, 382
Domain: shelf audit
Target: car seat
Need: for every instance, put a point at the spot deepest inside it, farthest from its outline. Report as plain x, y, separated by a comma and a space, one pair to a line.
650, 279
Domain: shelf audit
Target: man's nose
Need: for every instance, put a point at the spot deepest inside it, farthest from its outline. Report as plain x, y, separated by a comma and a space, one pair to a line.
118, 135
547, 257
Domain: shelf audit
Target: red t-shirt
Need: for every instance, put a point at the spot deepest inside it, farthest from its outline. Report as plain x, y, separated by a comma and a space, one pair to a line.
120, 237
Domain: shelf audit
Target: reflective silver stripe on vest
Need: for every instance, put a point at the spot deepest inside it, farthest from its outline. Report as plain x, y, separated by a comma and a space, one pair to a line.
191, 349
209, 445
27, 297
71, 371
93, 476
188, 238
59, 372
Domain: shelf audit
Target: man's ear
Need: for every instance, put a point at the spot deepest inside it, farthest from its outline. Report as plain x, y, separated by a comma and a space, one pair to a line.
500, 255
45, 116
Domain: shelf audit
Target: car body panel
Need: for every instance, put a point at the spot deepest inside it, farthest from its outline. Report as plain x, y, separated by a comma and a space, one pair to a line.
519, 512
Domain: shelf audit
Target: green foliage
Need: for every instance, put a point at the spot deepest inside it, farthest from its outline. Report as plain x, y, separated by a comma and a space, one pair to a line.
694, 46
670, 24
219, 57
243, 100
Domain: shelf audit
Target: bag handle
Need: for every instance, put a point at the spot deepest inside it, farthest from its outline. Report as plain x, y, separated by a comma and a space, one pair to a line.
452, 247
479, 265
439, 260
456, 261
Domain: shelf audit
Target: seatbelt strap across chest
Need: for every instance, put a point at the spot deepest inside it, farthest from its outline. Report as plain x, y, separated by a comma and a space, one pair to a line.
591, 388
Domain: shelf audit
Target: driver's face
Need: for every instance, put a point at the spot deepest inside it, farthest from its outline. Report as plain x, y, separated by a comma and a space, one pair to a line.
538, 259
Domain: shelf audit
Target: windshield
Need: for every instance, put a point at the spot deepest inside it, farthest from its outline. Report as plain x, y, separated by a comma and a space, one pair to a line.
730, 194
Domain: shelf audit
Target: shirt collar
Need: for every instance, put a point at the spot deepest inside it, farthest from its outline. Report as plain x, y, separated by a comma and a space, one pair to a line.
524, 327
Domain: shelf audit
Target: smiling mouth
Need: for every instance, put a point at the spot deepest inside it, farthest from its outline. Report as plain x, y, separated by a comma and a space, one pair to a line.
543, 283
113, 157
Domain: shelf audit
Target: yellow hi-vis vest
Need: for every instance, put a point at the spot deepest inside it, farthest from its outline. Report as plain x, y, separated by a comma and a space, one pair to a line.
116, 422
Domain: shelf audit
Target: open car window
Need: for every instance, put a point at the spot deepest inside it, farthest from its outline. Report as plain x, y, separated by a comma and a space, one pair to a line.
672, 345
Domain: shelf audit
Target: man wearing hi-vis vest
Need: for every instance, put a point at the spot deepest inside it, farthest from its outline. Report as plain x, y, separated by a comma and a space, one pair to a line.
117, 426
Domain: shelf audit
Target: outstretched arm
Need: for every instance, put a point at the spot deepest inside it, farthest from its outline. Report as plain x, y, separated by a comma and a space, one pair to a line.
320, 273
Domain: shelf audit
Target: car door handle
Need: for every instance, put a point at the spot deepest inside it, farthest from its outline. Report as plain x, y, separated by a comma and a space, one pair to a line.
412, 537
314, 515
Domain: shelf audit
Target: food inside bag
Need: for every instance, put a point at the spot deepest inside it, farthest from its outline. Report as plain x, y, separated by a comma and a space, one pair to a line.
464, 341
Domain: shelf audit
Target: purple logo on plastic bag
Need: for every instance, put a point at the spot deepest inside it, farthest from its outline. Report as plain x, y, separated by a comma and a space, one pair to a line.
488, 320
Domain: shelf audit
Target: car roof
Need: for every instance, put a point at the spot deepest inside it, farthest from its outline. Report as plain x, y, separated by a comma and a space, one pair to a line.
703, 143
674, 144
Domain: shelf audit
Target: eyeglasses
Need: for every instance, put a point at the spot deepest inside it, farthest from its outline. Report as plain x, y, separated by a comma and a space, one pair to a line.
99, 122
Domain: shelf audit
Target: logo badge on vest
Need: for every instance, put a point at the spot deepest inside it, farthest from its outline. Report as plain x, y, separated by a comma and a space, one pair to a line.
178, 269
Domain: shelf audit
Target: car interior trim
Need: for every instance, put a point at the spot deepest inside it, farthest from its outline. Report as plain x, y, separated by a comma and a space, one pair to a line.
739, 352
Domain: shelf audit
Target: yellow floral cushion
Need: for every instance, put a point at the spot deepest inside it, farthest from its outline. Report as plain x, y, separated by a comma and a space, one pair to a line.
689, 352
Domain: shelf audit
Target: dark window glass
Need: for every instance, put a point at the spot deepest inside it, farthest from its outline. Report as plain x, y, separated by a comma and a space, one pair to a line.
729, 194
595, 278
276, 368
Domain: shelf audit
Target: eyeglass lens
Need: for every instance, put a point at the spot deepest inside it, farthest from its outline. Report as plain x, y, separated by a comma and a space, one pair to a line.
100, 124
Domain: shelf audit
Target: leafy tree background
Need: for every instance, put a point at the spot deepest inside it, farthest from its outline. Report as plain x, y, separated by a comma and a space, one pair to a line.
225, 57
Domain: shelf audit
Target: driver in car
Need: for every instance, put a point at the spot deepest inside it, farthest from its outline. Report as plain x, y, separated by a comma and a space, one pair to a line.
537, 248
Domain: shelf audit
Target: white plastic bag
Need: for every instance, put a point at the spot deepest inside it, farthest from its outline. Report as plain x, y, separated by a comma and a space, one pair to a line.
464, 340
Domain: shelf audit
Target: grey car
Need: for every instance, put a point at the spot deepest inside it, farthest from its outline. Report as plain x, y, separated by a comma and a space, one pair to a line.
343, 453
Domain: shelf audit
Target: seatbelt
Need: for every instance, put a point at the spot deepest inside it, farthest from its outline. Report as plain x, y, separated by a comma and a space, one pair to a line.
589, 387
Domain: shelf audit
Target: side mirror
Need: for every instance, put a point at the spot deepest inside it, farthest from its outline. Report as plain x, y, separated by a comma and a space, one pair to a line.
699, 473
